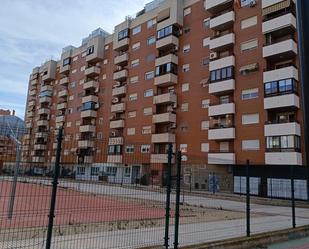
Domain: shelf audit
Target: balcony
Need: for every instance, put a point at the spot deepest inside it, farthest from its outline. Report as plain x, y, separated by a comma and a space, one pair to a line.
64, 81
222, 63
160, 158
268, 3
221, 134
46, 88
87, 128
223, 21
60, 119
40, 147
121, 60
38, 159
222, 158
63, 94
163, 138
170, 58
166, 80
114, 158
285, 24
280, 74
65, 69
33, 92
287, 100
91, 84
28, 125
31, 103
281, 129
40, 135
117, 124
221, 109
115, 141
88, 114
42, 123
167, 42
34, 82
119, 91
214, 6
85, 144
45, 100
283, 158
30, 114
166, 98
118, 108
121, 45
92, 71
121, 75
44, 111
164, 118
222, 43
222, 86
282, 50
62, 106
90, 98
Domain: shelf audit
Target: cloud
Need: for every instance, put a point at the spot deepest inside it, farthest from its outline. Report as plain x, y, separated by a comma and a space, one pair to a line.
33, 31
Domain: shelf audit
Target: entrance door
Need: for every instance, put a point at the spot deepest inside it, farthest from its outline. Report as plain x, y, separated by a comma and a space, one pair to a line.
135, 174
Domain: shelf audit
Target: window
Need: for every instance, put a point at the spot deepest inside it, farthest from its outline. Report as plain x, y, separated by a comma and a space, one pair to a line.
204, 147
250, 119
136, 46
205, 103
130, 131
250, 144
184, 107
204, 125
81, 170
166, 68
206, 42
244, 3
280, 87
151, 23
130, 149
149, 75
151, 40
66, 61
94, 171
148, 93
222, 74
88, 106
137, 30
183, 148
147, 111
206, 23
249, 45
146, 130
114, 149
167, 31
187, 11
123, 34
249, 22
185, 87
250, 94
145, 148
205, 61
183, 127
150, 57
127, 172
101, 121
186, 68
111, 171
133, 97
132, 114
90, 50
186, 48
134, 79
135, 63
283, 143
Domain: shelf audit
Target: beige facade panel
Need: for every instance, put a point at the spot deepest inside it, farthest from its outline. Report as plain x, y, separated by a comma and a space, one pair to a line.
166, 98
222, 42
222, 63
90, 98
163, 138
167, 59
279, 23
118, 108
277, 49
283, 158
88, 114
222, 86
87, 128
221, 134
288, 100
64, 81
281, 74
116, 124
114, 158
282, 129
221, 109
119, 91
164, 118
221, 158
121, 75
167, 41
92, 71
166, 80
223, 21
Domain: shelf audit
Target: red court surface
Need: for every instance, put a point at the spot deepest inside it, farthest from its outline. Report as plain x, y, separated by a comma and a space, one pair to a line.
33, 200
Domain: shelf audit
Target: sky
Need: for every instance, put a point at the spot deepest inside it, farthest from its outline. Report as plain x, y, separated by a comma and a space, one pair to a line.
34, 31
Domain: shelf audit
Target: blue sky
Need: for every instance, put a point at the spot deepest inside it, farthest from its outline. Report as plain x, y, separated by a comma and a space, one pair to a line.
33, 31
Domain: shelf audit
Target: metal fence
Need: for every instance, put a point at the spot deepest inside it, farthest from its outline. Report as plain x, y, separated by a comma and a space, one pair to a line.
73, 202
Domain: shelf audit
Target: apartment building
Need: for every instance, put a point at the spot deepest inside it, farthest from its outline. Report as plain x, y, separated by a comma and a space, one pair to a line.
218, 79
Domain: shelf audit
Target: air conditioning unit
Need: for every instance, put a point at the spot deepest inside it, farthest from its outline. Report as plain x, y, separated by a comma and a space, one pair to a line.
115, 100
170, 108
111, 117
97, 106
117, 84
213, 55
253, 3
113, 134
172, 126
97, 90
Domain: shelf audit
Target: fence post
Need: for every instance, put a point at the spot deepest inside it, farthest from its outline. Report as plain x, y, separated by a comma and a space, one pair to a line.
248, 197
177, 214
168, 194
293, 197
54, 190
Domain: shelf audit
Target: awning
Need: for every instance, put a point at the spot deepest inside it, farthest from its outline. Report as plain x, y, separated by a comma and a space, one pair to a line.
204, 82
276, 7
250, 67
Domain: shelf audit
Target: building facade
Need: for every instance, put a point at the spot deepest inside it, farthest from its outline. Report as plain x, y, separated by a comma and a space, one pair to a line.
218, 79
